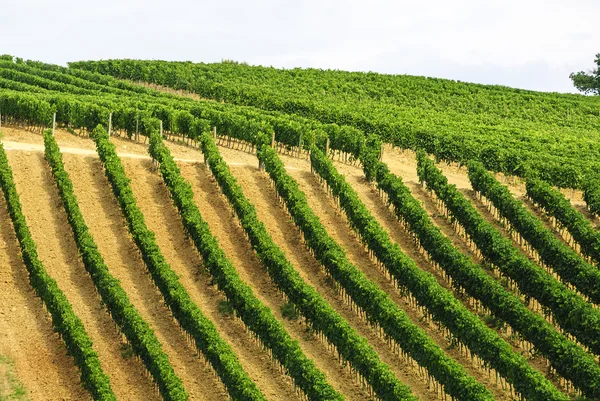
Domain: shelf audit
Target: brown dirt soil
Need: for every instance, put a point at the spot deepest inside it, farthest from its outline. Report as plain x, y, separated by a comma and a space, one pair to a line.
389, 223
338, 229
103, 216
446, 228
41, 362
221, 219
58, 252
163, 218
122, 257
259, 191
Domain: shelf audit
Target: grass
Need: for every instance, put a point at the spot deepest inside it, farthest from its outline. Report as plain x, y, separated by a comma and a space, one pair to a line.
289, 312
10, 387
225, 309
126, 351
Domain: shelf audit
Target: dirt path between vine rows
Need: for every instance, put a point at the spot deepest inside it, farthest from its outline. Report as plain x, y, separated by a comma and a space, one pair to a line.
164, 220
223, 224
41, 362
57, 250
102, 214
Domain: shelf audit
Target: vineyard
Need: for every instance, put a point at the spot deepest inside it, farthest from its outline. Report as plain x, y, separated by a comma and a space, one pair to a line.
185, 231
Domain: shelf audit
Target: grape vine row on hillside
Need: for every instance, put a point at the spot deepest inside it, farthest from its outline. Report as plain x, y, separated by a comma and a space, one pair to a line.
206, 338
252, 311
64, 321
439, 302
137, 331
570, 310
566, 357
556, 205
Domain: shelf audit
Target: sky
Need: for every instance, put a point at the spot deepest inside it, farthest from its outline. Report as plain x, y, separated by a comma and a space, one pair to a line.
529, 44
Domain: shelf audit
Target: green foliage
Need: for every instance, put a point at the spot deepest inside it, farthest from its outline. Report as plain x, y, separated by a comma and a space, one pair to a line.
568, 309
509, 130
591, 195
142, 341
302, 297
588, 83
557, 206
64, 320
258, 317
288, 311
440, 303
216, 351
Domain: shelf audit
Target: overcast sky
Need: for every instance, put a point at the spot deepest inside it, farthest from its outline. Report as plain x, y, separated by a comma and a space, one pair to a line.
531, 44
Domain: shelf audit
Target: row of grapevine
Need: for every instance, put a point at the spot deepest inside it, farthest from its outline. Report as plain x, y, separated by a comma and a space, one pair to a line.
26, 107
380, 309
569, 360
557, 206
591, 195
13, 75
257, 317
126, 103
455, 121
324, 318
55, 80
443, 306
64, 321
569, 310
186, 312
137, 331
553, 253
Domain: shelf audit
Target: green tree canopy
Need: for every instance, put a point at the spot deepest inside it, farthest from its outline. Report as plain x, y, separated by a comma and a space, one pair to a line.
588, 83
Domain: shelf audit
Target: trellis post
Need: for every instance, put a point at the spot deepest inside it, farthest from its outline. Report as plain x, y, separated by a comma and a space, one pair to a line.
109, 123
53, 123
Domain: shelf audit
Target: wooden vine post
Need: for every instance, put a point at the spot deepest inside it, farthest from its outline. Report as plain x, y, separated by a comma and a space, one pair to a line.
300, 143
53, 123
137, 126
161, 129
273, 139
327, 148
109, 123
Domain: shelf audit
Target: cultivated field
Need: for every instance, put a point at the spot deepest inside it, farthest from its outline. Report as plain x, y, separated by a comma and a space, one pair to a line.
186, 254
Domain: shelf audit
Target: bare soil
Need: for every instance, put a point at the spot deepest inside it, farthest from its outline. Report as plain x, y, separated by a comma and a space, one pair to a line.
103, 216
221, 219
57, 251
40, 361
164, 220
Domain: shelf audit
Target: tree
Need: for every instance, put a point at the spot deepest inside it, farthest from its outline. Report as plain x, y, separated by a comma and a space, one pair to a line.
588, 83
